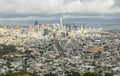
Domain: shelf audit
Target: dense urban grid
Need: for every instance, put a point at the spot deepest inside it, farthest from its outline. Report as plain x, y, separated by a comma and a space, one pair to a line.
56, 48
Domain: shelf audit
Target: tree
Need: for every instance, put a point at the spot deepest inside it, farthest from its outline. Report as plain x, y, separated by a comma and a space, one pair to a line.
108, 74
72, 73
89, 74
28, 51
49, 74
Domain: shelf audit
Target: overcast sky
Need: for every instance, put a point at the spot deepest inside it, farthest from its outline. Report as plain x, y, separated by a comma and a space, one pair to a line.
13, 8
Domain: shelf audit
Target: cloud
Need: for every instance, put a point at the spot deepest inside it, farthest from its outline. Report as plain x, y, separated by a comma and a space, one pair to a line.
116, 4
32, 7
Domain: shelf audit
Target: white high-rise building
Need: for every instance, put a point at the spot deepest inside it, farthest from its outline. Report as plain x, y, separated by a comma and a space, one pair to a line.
61, 21
81, 26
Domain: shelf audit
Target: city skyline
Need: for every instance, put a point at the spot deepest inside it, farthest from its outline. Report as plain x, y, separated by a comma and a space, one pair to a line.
59, 37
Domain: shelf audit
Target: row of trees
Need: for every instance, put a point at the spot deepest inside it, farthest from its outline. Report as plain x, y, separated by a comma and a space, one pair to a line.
73, 73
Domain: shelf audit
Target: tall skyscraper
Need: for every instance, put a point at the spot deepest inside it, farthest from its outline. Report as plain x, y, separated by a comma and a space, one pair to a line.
61, 21
82, 26
37, 25
36, 22
46, 32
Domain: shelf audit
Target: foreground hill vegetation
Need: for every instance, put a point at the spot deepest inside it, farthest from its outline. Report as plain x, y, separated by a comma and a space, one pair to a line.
67, 73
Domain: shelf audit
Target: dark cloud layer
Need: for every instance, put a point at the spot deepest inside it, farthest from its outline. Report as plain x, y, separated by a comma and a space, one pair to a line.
14, 8
117, 4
